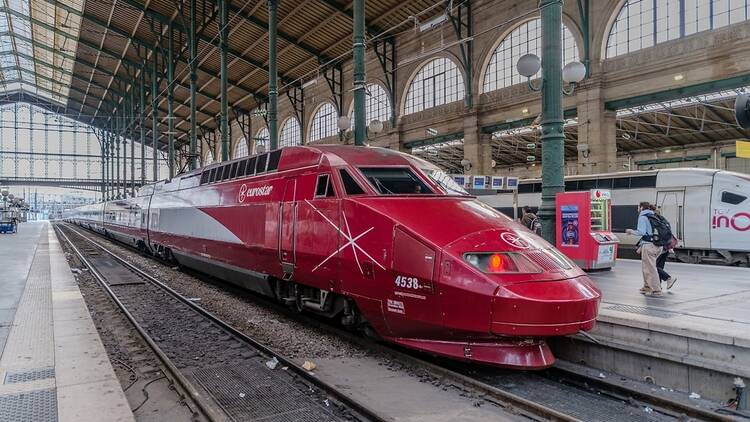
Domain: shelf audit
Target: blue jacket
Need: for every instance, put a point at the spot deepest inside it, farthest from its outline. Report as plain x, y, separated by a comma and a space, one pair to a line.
644, 227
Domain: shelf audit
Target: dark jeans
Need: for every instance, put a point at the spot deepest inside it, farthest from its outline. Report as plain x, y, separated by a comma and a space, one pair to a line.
660, 261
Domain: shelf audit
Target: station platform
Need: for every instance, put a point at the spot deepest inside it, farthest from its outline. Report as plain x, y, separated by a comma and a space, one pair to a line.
53, 366
695, 338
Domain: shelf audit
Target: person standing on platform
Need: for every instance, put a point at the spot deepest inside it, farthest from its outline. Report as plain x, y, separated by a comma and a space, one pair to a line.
648, 250
662, 259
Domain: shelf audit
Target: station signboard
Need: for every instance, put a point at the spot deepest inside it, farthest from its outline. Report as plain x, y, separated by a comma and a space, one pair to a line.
511, 183
479, 182
497, 183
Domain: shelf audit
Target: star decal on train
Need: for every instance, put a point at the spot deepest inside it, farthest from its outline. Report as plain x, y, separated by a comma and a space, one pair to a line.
350, 241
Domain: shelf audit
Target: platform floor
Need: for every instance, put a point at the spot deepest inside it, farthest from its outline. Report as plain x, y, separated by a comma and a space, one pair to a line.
707, 302
53, 366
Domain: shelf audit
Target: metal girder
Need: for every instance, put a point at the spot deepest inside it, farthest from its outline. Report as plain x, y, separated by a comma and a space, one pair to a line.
463, 26
434, 140
681, 92
24, 82
296, 97
584, 10
334, 77
385, 50
166, 20
45, 78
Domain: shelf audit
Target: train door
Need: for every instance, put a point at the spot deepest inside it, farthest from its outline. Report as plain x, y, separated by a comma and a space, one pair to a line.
287, 228
672, 205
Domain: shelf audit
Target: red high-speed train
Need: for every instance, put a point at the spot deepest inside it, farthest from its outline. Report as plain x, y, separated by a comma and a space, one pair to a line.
378, 238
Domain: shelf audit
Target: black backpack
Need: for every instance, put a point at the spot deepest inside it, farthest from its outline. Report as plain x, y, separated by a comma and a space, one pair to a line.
660, 229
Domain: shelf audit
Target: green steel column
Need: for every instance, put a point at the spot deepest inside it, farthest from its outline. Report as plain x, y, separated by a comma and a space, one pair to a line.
193, 89
132, 109
170, 101
155, 114
142, 113
123, 134
360, 125
117, 159
105, 165
552, 138
224, 35
111, 179
273, 89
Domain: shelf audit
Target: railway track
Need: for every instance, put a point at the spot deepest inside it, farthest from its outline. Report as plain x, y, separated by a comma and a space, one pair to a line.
224, 371
493, 386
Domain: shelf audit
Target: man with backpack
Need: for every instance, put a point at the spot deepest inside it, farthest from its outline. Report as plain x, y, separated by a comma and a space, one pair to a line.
530, 220
662, 260
648, 249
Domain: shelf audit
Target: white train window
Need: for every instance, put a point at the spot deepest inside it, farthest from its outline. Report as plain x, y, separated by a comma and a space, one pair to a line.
732, 198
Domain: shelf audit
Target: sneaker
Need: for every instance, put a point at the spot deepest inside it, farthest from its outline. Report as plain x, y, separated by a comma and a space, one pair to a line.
644, 290
670, 282
654, 294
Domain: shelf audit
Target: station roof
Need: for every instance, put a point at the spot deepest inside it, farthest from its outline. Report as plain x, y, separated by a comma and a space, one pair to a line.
82, 56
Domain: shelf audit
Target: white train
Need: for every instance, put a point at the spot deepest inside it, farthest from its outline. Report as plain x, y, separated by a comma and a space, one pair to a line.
709, 209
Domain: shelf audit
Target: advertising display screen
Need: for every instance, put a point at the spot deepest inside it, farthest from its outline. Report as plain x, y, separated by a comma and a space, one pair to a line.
569, 232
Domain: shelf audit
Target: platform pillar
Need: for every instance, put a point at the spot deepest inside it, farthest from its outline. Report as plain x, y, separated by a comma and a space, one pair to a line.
142, 121
273, 90
170, 101
476, 150
597, 131
155, 113
133, 113
552, 137
224, 44
193, 89
359, 77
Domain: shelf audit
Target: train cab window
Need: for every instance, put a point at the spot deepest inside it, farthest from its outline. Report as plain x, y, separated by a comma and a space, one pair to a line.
324, 188
204, 177
732, 198
350, 185
273, 160
395, 181
260, 165
250, 170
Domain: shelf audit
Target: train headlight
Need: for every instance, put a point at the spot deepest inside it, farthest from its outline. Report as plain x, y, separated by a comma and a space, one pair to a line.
501, 263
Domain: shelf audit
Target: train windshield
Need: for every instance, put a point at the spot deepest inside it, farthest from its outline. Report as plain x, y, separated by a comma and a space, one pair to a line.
395, 181
444, 181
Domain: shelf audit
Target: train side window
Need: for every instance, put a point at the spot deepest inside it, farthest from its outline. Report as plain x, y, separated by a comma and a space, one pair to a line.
732, 198
273, 160
586, 184
204, 177
621, 183
324, 187
571, 185
241, 168
351, 187
604, 183
260, 166
643, 182
224, 172
212, 176
526, 188
233, 170
537, 187
250, 170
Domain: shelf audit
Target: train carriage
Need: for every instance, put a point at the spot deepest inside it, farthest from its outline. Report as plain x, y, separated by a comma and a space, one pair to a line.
379, 239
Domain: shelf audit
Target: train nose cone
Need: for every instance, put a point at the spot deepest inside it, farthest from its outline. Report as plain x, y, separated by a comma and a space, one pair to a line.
545, 308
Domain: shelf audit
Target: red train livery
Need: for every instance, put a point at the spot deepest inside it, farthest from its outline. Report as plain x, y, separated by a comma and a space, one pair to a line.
380, 239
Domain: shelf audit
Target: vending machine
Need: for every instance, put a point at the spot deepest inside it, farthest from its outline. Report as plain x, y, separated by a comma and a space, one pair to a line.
584, 228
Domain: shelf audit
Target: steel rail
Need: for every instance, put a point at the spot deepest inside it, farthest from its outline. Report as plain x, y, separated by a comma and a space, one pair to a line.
358, 407
195, 395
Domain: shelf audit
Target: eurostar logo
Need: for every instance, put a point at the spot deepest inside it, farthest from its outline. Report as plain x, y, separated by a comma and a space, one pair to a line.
514, 240
350, 241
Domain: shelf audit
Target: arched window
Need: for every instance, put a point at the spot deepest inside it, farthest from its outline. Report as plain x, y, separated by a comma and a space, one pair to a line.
324, 122
525, 39
209, 158
438, 82
240, 149
261, 140
378, 105
644, 23
290, 133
